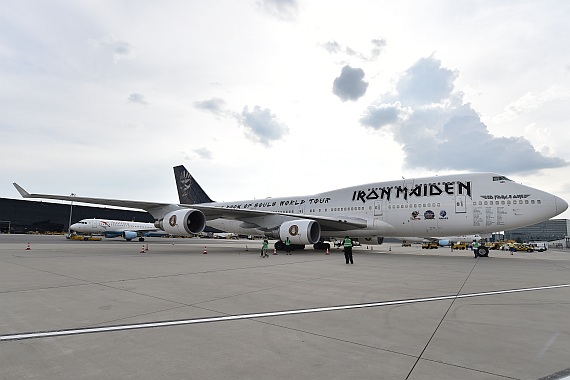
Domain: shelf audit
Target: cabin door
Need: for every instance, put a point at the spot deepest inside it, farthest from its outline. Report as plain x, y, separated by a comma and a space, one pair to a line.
460, 204
378, 211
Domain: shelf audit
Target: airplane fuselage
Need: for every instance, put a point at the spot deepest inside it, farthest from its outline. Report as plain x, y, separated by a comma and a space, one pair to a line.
437, 206
113, 228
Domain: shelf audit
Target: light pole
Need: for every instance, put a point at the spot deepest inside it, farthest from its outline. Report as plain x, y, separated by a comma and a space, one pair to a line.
70, 213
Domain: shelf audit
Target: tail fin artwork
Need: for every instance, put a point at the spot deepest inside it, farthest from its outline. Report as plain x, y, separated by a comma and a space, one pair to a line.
189, 191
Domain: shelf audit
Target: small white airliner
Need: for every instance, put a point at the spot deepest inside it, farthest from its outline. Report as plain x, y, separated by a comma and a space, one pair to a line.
460, 204
115, 228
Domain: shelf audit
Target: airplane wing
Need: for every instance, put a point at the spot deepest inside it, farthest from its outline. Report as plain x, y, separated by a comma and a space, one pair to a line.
252, 217
326, 223
101, 201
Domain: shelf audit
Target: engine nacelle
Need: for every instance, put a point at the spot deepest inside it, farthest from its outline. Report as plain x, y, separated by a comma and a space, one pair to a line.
300, 231
129, 235
183, 222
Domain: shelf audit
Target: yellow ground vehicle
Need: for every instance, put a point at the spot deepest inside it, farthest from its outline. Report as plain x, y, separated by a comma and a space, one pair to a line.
84, 238
524, 247
406, 243
493, 245
459, 246
429, 245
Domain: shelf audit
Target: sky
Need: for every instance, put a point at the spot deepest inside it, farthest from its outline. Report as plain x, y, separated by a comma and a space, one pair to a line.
268, 98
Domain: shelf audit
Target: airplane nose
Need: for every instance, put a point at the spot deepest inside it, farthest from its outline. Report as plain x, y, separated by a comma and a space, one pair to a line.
561, 205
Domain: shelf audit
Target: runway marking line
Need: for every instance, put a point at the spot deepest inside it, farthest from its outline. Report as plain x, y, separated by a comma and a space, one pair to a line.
91, 330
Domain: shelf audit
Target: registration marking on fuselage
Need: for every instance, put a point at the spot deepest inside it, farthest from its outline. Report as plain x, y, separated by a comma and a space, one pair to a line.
90, 330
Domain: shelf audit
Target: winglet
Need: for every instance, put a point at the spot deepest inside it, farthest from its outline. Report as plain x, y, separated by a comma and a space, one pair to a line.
21, 190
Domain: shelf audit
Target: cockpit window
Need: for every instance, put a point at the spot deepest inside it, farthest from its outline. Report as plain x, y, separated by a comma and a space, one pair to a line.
501, 178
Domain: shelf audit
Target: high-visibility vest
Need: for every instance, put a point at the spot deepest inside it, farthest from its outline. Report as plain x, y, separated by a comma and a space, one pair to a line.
348, 242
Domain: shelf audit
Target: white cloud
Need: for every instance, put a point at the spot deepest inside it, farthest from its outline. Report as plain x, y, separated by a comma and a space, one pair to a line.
117, 49
262, 126
137, 99
438, 131
286, 10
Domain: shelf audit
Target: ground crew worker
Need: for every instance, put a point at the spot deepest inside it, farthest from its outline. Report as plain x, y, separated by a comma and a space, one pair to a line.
476, 249
348, 249
287, 246
264, 249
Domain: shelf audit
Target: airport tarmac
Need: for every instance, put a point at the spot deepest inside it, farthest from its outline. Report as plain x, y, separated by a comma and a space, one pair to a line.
94, 310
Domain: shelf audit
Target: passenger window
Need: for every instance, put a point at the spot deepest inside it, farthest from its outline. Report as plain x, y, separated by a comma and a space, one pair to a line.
532, 202
538, 201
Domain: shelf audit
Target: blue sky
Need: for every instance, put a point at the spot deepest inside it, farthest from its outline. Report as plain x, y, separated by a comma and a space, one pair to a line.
274, 98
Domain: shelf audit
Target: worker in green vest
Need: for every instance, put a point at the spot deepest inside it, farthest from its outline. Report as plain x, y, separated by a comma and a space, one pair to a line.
347, 243
264, 248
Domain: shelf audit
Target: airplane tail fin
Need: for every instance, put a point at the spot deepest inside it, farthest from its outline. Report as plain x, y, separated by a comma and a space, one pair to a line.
189, 191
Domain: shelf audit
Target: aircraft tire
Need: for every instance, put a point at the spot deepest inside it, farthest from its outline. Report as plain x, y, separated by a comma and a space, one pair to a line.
141, 239
483, 252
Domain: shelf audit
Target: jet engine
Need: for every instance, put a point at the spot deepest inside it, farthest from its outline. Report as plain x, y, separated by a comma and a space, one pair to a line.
183, 222
300, 231
444, 242
129, 235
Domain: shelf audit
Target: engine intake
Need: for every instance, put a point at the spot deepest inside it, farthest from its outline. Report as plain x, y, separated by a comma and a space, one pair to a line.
300, 231
183, 222
129, 235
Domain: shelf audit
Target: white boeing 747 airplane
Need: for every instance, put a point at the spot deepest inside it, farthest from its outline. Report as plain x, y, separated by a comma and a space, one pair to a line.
460, 204
115, 228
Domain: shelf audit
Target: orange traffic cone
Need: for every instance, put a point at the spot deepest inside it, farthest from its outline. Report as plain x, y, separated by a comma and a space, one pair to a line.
327, 252
146, 249
27, 249
205, 252
142, 249
274, 251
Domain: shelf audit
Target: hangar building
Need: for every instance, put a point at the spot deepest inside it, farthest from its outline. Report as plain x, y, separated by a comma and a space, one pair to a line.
23, 216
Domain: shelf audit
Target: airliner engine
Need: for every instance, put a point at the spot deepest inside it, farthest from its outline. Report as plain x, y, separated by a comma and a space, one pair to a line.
129, 235
300, 231
182, 222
